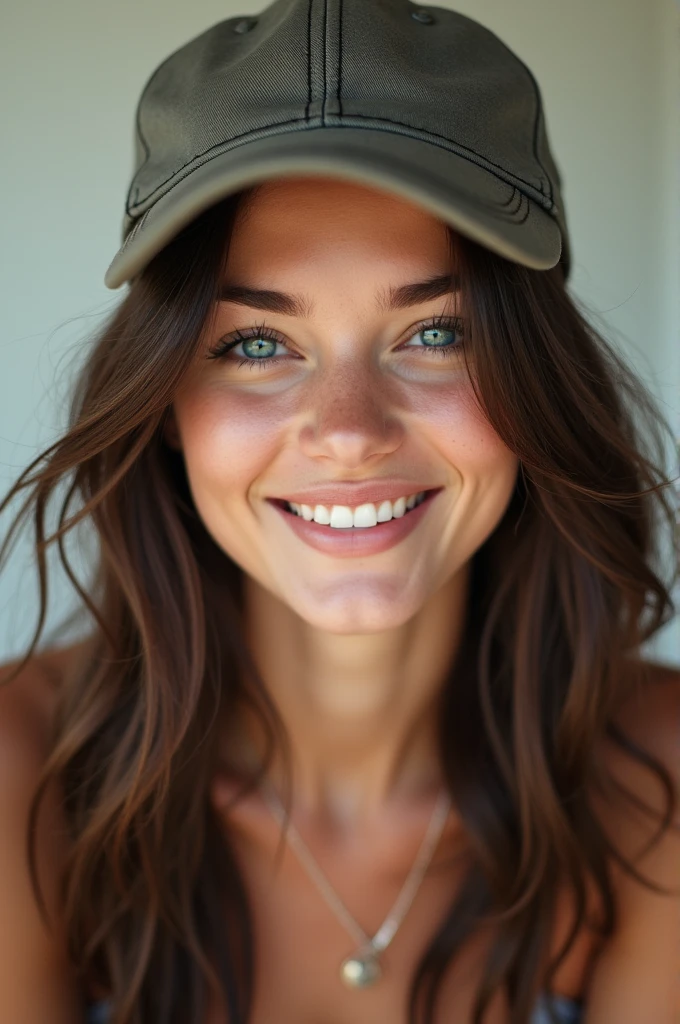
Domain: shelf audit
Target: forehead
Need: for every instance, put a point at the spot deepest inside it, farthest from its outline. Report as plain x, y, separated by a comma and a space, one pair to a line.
313, 221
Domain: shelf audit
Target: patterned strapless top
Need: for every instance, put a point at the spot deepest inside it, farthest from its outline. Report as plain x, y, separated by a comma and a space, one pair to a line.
568, 1011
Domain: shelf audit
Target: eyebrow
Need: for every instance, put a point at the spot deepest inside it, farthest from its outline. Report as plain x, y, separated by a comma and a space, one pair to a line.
299, 305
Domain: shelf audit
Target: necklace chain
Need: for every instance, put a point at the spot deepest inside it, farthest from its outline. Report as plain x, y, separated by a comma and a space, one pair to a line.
388, 928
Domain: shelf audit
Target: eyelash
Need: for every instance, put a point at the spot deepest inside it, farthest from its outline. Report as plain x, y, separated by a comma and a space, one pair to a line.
224, 346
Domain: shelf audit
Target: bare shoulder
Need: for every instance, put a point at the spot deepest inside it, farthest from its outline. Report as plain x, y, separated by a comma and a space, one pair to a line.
651, 711
637, 976
28, 701
650, 717
36, 983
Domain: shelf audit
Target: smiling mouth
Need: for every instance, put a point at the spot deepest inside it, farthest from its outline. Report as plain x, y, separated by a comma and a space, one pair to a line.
363, 517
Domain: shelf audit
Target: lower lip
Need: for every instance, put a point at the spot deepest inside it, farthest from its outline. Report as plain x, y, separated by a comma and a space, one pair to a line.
355, 541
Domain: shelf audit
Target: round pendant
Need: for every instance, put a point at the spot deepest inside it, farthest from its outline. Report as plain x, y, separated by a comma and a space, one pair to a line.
360, 970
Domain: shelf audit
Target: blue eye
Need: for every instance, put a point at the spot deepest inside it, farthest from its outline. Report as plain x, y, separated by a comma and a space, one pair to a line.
439, 335
442, 336
259, 345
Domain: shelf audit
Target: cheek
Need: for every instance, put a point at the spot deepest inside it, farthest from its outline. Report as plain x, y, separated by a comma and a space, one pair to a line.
228, 442
483, 472
460, 431
227, 438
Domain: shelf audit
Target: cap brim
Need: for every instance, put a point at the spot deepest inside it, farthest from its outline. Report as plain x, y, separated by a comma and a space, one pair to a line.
470, 197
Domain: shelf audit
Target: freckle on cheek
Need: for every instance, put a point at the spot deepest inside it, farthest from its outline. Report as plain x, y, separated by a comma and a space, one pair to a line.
231, 435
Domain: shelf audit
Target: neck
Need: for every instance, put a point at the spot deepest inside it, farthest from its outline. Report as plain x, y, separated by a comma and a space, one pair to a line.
360, 711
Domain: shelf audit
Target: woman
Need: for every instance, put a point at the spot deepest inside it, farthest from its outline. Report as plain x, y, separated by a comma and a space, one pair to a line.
380, 557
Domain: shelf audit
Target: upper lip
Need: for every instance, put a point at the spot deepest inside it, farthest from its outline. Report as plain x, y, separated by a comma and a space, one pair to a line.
353, 494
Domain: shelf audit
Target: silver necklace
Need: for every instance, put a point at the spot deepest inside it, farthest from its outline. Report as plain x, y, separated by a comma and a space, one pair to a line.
362, 968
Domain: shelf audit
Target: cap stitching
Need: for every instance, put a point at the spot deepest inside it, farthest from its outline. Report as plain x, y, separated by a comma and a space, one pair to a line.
129, 204
325, 59
511, 217
133, 232
363, 117
499, 209
539, 107
515, 191
140, 133
340, 63
525, 217
309, 59
503, 210
453, 146
490, 204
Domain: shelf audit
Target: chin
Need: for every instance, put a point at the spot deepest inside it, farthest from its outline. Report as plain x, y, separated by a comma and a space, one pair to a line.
346, 610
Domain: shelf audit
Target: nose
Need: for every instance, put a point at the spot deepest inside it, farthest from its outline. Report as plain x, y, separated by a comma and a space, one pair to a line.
350, 417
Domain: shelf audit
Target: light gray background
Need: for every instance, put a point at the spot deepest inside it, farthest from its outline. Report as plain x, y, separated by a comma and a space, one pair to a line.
70, 76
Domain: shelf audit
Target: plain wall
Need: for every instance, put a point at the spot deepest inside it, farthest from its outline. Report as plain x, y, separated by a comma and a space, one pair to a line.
71, 74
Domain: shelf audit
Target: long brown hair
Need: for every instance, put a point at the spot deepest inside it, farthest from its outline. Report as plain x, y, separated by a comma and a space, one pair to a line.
562, 595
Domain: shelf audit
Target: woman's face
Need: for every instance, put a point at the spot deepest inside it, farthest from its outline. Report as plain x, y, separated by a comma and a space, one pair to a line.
346, 390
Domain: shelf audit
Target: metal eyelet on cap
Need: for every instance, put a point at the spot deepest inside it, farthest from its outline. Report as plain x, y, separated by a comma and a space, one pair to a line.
245, 25
424, 17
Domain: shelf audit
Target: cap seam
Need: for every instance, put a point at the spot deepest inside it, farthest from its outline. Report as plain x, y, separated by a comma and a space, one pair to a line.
504, 196
139, 201
501, 210
539, 109
498, 207
509, 216
145, 145
134, 231
339, 91
375, 122
325, 58
145, 88
512, 213
309, 59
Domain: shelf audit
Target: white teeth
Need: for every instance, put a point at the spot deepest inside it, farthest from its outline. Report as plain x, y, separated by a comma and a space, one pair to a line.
342, 517
385, 512
365, 515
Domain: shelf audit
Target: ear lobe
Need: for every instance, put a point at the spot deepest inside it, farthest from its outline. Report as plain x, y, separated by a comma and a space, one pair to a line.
170, 431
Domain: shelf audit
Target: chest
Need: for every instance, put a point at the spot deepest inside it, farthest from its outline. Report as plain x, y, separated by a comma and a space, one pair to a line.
300, 943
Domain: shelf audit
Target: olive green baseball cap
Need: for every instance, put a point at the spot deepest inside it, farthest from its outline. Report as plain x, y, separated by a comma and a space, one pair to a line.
422, 102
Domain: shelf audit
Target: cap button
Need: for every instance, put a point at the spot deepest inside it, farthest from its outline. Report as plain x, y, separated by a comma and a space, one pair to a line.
424, 17
245, 25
